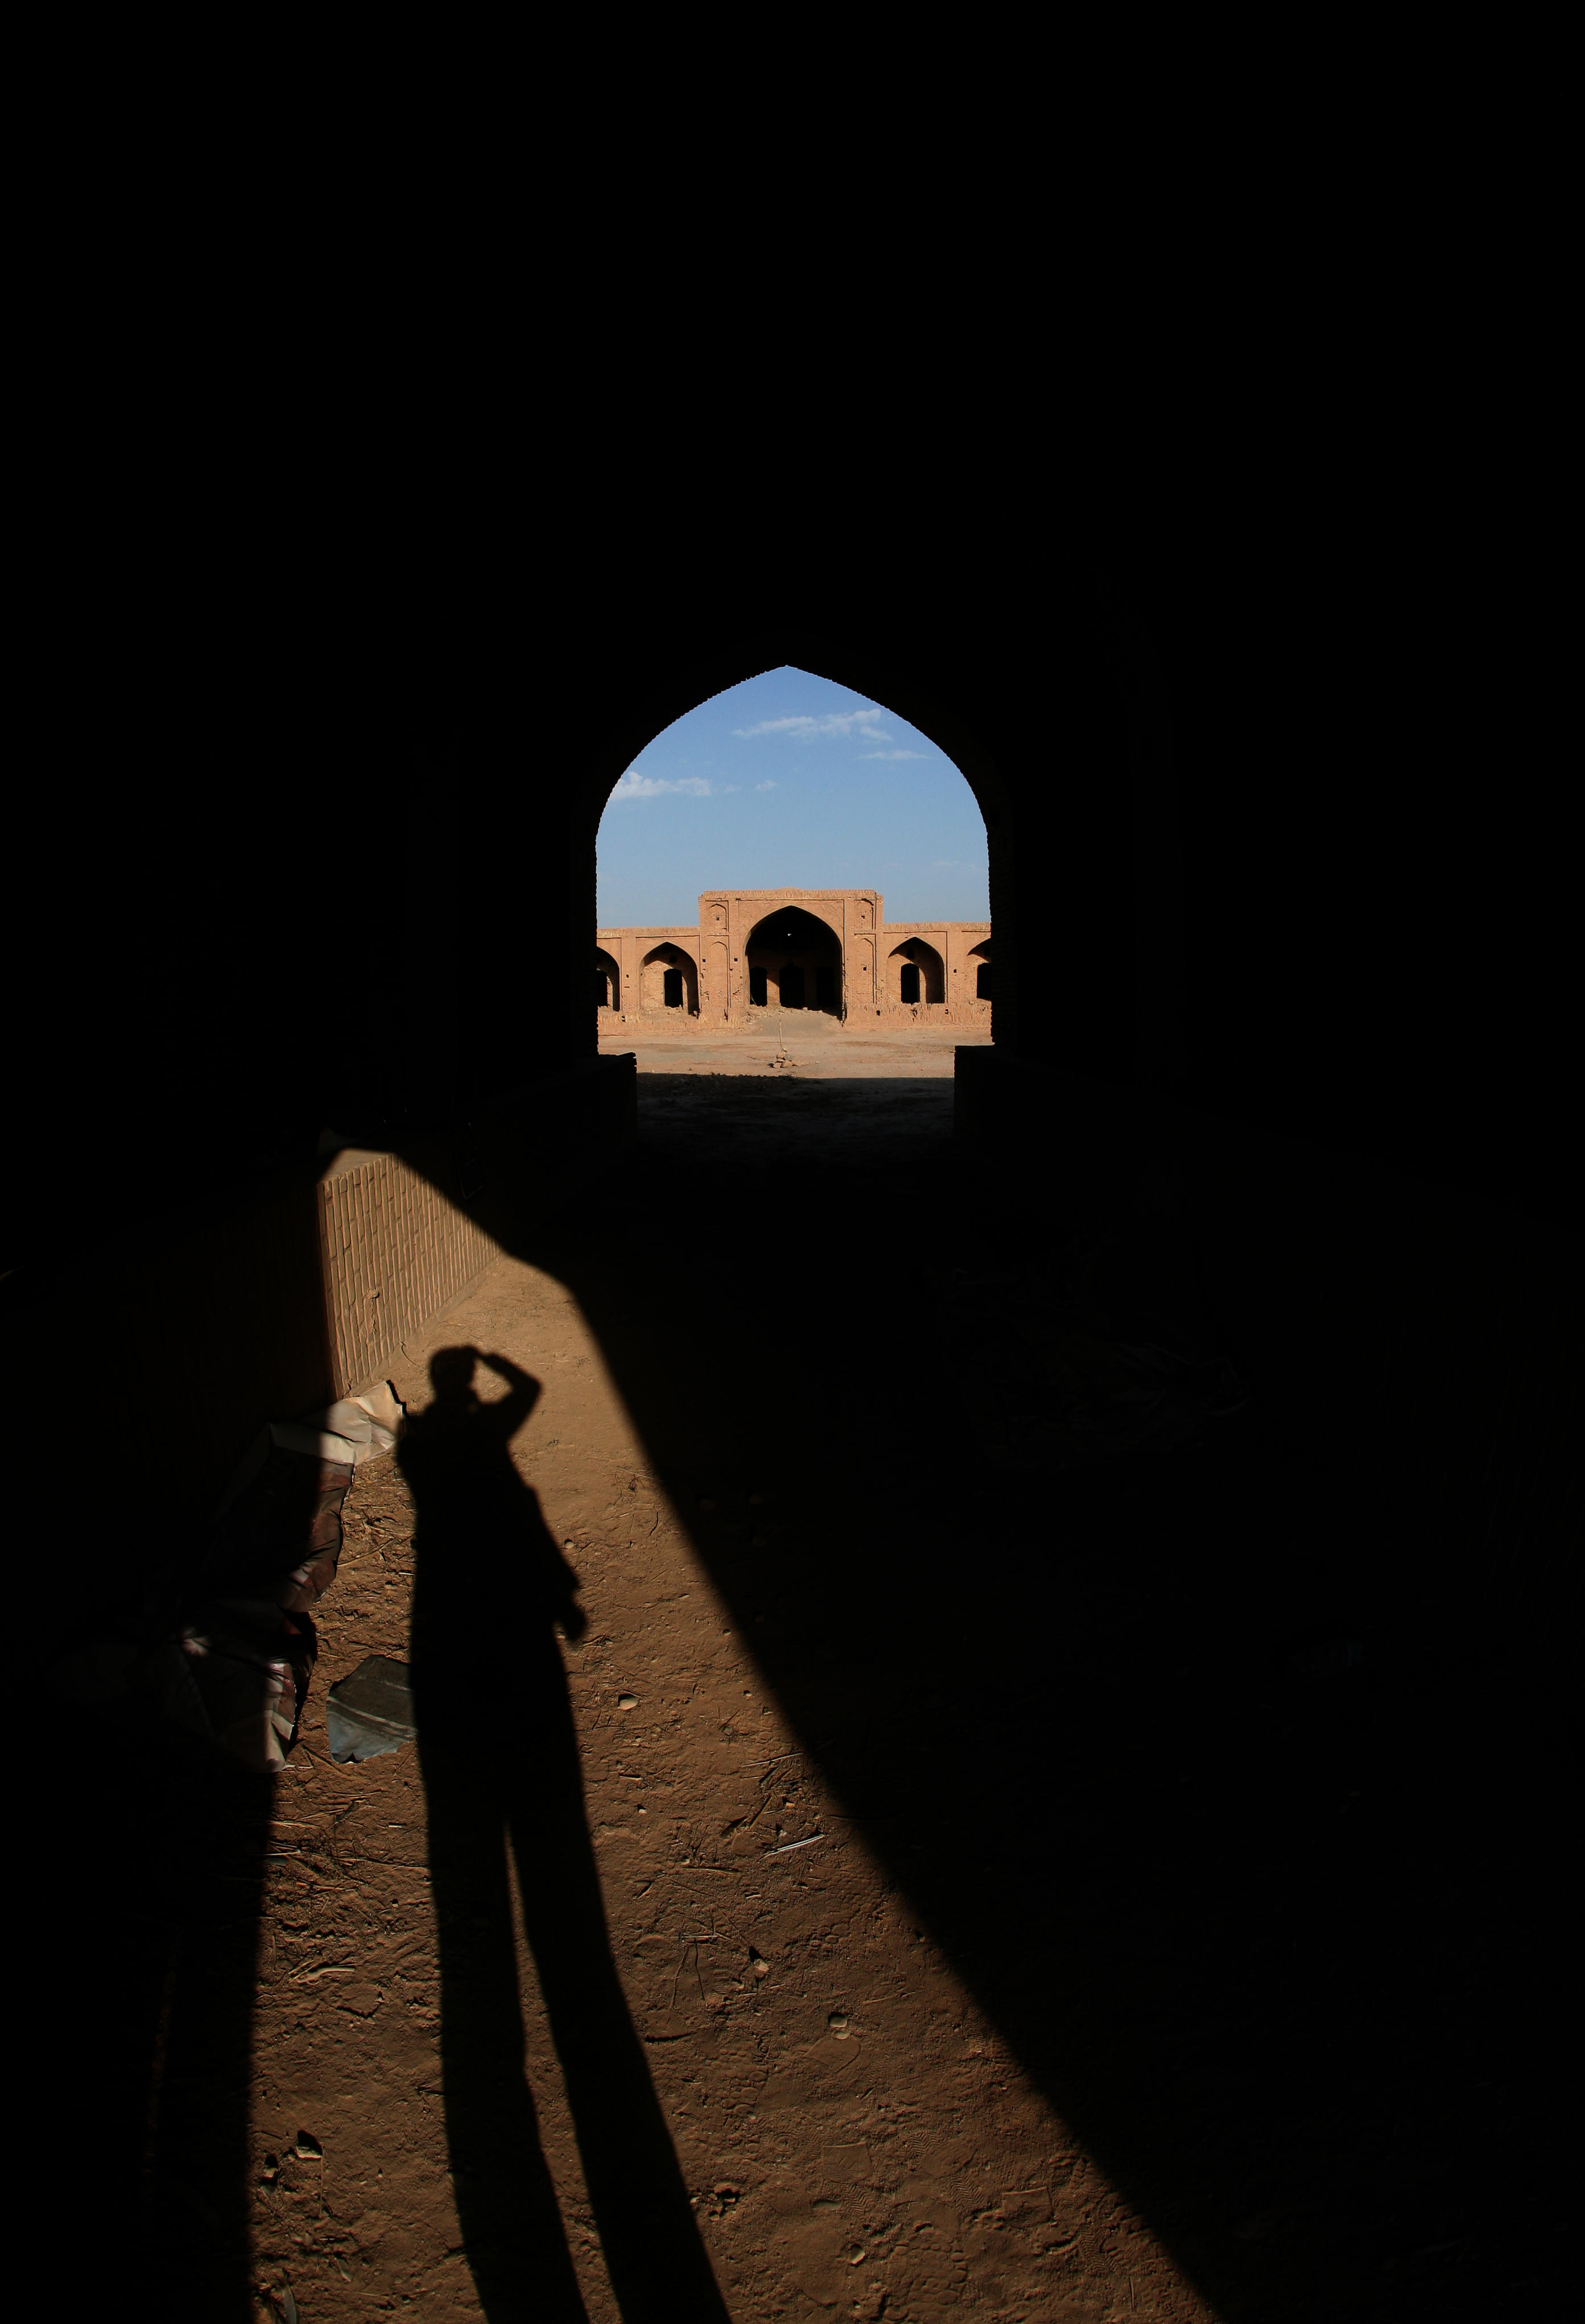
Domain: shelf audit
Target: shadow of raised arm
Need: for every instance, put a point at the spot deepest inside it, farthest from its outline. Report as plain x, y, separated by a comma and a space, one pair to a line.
523, 1394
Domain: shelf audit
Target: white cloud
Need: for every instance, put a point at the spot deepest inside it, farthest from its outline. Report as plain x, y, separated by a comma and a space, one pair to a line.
634, 785
835, 723
891, 754
764, 787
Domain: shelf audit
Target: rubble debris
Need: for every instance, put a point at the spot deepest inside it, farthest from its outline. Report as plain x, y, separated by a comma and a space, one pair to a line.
223, 1642
371, 1712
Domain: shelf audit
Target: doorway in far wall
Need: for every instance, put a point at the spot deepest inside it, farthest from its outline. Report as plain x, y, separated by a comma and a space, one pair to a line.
669, 979
798, 954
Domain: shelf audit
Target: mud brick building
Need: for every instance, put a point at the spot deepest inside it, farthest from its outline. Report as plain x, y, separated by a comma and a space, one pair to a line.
828, 949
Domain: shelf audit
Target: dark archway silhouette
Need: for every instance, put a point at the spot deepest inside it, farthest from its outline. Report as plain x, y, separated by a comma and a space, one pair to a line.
913, 693
1228, 649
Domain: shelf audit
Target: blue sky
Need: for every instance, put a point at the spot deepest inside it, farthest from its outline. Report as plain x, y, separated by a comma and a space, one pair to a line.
788, 781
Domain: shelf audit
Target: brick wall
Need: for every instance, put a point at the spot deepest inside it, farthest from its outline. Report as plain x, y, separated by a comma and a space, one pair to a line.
138, 1361
394, 1249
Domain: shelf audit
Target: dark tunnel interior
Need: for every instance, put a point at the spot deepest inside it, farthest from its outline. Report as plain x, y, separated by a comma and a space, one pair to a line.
1275, 1937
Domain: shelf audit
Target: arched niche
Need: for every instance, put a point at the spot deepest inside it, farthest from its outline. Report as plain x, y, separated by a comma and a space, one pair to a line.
794, 959
607, 981
916, 975
668, 979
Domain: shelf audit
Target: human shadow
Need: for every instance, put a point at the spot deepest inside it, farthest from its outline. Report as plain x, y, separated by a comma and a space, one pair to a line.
502, 1774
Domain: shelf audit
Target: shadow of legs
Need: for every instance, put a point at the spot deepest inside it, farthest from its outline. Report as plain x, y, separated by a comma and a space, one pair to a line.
656, 2260
511, 2223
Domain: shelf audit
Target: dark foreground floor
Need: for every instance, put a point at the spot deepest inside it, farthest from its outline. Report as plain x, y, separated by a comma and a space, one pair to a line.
1224, 1774
1228, 1776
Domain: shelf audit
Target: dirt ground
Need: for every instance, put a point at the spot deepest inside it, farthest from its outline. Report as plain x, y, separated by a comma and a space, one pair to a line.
1039, 1888
797, 1041
855, 2133
858, 2136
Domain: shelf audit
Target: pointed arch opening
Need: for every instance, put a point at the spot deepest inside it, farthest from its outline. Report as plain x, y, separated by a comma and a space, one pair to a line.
794, 960
916, 975
669, 980
700, 801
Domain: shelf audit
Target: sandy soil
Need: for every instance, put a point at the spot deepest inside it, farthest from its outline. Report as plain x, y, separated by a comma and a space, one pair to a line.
855, 2133
798, 1041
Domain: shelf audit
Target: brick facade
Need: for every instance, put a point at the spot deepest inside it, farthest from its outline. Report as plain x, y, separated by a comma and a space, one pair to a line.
844, 930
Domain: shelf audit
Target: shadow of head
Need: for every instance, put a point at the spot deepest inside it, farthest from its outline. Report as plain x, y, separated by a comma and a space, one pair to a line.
451, 1375
474, 1504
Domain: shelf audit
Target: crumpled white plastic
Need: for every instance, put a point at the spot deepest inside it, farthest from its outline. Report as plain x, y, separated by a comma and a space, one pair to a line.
355, 1429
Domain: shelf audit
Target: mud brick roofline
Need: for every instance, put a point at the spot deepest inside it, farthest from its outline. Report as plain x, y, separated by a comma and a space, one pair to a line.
708, 972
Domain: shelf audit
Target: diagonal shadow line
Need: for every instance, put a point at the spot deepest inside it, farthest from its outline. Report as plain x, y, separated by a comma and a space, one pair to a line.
1004, 1676
1221, 2007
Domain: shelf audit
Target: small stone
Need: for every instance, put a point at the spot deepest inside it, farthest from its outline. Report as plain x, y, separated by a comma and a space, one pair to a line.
838, 2022
627, 1702
856, 2255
